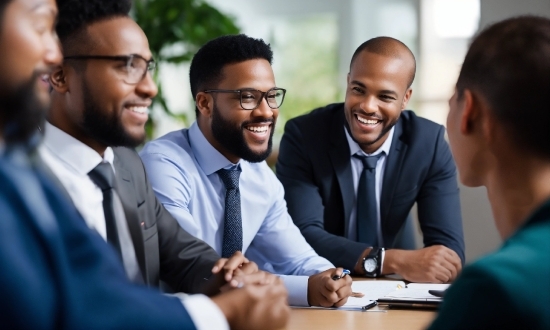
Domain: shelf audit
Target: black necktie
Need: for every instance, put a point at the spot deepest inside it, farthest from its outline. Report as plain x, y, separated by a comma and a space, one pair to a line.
233, 228
118, 234
367, 218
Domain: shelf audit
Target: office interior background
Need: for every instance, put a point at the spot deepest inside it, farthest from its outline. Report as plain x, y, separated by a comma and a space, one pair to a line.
313, 41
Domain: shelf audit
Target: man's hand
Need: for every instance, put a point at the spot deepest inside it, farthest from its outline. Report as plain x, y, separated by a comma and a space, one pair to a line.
256, 306
238, 264
434, 264
224, 272
240, 280
323, 291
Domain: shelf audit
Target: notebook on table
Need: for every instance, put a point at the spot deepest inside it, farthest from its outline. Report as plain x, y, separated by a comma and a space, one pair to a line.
413, 295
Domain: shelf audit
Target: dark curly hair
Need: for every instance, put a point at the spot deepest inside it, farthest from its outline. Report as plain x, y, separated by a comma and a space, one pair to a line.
208, 62
75, 15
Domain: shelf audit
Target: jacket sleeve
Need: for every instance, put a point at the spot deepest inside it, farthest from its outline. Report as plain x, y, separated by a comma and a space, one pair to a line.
185, 261
439, 202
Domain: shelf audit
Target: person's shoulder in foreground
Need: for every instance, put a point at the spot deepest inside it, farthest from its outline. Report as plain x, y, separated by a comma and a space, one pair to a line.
508, 289
498, 131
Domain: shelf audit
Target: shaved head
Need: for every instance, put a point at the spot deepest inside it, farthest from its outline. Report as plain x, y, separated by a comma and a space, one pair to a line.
390, 47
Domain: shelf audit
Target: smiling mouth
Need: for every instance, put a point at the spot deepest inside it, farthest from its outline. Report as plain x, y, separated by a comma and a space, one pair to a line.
258, 129
371, 121
139, 109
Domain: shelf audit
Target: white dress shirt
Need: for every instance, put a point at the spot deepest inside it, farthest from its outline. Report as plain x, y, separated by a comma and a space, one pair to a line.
71, 161
357, 168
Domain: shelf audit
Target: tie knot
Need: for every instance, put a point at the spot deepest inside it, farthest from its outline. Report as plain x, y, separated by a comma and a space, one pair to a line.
369, 162
103, 176
230, 178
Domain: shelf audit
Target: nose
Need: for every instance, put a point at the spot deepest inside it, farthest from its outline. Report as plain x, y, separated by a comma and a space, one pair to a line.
52, 54
263, 110
147, 87
369, 104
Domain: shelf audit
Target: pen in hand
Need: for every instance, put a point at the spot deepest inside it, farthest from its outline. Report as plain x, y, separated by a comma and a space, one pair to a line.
344, 273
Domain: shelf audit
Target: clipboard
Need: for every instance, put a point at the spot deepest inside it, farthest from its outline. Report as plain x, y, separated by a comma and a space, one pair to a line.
410, 303
414, 295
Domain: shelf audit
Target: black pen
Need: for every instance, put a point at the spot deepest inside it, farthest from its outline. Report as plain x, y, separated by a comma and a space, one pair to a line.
369, 306
344, 273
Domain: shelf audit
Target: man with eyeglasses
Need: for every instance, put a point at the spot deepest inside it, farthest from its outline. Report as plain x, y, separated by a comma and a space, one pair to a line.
100, 99
213, 179
56, 273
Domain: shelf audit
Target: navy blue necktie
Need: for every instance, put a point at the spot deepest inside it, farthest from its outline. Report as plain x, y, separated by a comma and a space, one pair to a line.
367, 217
233, 227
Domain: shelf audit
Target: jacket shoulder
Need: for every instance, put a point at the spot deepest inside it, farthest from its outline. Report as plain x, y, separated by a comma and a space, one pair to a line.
318, 116
418, 128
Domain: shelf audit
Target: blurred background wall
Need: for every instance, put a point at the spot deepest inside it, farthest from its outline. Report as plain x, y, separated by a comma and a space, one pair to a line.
313, 41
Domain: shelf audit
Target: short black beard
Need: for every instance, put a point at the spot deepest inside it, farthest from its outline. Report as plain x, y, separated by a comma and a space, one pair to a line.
22, 113
233, 140
104, 128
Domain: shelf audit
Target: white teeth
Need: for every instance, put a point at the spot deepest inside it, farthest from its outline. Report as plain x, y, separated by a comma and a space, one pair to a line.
367, 121
258, 129
139, 109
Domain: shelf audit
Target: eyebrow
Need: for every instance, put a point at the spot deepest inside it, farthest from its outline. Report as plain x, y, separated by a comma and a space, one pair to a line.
38, 6
384, 91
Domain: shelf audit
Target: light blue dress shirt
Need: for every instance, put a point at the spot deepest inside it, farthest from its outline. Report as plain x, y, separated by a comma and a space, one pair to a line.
182, 168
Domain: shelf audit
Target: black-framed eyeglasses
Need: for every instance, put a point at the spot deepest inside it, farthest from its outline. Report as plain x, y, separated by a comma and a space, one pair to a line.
251, 98
136, 65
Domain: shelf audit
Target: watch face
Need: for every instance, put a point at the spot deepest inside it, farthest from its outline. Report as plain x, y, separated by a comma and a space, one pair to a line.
370, 265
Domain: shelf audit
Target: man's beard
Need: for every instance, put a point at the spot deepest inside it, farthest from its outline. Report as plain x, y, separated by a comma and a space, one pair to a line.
233, 140
105, 128
22, 112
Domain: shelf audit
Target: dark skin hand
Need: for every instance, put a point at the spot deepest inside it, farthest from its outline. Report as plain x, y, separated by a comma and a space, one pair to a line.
325, 292
256, 306
225, 271
433, 264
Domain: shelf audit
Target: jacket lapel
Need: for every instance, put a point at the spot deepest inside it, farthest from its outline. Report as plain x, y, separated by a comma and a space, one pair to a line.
394, 163
339, 155
128, 197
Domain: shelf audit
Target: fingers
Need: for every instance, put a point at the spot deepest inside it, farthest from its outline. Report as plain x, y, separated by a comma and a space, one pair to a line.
336, 292
229, 266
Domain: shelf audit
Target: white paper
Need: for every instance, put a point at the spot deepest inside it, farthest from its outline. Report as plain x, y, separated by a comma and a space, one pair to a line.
417, 291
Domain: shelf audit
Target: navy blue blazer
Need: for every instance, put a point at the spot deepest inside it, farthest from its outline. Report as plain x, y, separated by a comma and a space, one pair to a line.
315, 169
55, 273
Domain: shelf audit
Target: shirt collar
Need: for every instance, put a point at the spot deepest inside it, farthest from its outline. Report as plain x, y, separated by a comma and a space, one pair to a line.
209, 159
355, 148
81, 158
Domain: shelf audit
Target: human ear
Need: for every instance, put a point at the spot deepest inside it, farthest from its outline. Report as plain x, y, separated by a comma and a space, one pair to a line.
58, 79
469, 112
205, 103
406, 98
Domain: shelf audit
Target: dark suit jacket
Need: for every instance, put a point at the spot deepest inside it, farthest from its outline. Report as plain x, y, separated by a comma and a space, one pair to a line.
55, 273
315, 169
164, 250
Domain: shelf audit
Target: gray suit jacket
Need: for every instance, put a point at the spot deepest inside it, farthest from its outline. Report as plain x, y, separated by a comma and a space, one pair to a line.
164, 250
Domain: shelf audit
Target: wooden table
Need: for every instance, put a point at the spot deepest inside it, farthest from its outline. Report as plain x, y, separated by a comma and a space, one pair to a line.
304, 318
